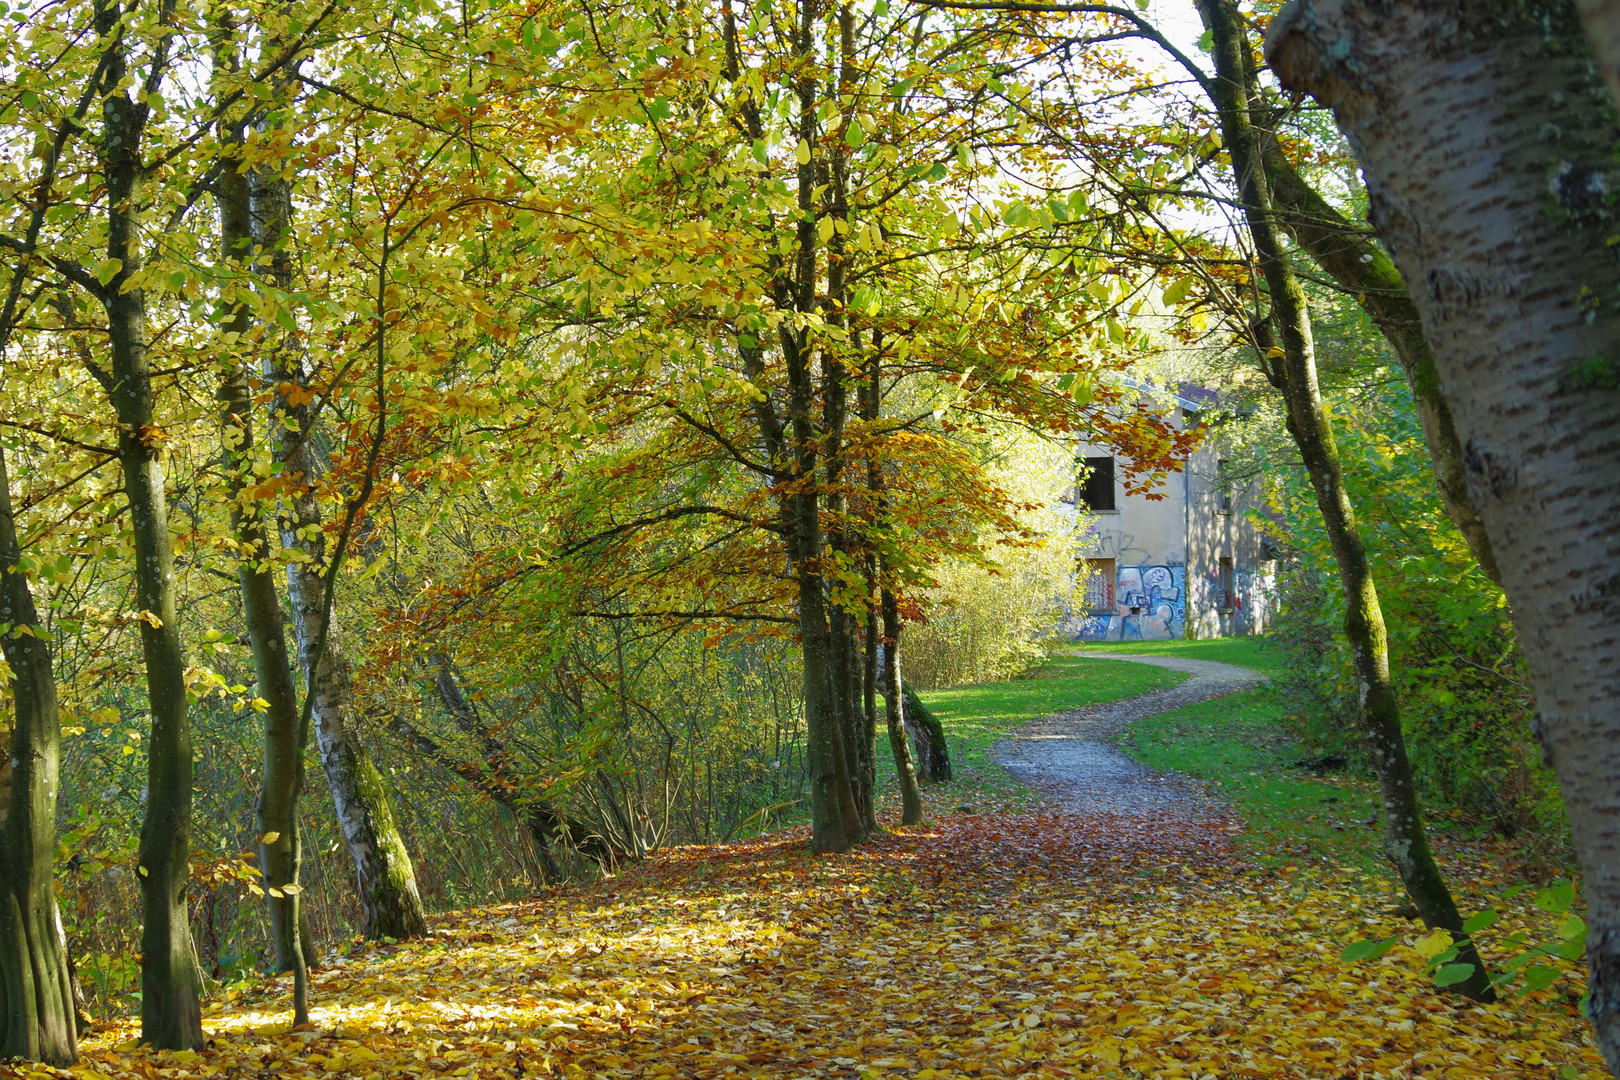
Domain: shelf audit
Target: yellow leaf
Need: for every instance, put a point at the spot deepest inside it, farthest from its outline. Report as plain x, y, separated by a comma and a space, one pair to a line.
1434, 944
802, 152
270, 837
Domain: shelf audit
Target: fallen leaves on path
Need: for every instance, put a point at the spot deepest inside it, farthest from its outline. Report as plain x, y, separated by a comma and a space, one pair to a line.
986, 945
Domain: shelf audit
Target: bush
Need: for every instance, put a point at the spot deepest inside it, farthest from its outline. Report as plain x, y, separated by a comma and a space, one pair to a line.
1464, 691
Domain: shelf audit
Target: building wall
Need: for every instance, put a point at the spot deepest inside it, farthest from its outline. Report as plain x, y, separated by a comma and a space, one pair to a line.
1168, 556
1150, 602
1213, 534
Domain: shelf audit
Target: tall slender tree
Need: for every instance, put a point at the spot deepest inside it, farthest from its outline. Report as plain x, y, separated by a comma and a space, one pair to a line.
276, 813
1290, 362
390, 903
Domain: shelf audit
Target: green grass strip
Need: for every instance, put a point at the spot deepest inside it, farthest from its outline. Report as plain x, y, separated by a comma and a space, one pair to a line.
1238, 746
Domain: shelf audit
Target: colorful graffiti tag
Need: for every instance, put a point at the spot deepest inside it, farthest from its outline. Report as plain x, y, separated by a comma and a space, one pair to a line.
1150, 605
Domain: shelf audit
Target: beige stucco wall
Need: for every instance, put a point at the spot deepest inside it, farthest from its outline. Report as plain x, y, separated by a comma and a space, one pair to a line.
1168, 553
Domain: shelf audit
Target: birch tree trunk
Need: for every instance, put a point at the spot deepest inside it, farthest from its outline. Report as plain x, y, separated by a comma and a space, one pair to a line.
1405, 838
386, 880
1487, 145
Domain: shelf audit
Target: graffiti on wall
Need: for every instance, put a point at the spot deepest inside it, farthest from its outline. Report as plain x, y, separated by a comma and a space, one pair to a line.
1150, 604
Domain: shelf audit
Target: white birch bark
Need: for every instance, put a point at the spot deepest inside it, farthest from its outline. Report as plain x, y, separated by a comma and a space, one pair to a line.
1486, 141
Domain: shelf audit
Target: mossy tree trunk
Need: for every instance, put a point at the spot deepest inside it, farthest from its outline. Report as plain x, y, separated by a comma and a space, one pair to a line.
36, 992
1358, 265
1292, 366
933, 755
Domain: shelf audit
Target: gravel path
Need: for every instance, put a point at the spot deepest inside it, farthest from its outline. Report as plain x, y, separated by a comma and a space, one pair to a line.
1071, 758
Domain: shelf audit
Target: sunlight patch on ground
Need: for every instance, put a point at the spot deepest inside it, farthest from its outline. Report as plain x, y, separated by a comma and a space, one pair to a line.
988, 945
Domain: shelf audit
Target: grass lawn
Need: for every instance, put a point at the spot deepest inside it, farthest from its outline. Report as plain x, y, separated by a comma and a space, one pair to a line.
975, 717
1237, 745
1249, 652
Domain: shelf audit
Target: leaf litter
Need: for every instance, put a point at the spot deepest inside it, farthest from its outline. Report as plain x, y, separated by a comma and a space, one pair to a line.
995, 944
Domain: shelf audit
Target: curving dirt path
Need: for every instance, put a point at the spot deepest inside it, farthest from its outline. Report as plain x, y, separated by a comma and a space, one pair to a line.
1070, 757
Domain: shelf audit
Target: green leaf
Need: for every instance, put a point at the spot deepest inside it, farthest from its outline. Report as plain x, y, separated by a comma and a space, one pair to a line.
1178, 290
1539, 977
1452, 974
107, 269
1573, 928
964, 156
1556, 899
1443, 959
1483, 921
761, 152
854, 135
1368, 949
1206, 40
659, 109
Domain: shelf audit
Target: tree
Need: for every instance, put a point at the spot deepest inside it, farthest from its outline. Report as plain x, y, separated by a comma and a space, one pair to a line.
1290, 362
1485, 142
386, 880
283, 775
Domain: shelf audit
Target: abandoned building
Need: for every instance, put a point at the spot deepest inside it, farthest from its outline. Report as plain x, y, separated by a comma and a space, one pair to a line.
1191, 564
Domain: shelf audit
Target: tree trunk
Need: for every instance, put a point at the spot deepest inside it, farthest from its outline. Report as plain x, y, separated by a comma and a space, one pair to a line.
386, 881
1405, 839
911, 812
835, 819
276, 811
171, 1016
1360, 267
36, 992
1487, 145
933, 755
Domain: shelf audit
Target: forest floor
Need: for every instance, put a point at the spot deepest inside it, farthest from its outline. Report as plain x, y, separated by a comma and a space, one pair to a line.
1004, 937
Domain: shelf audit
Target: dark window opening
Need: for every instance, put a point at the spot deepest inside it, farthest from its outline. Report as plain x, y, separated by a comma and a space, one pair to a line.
1228, 587
1224, 484
1097, 489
